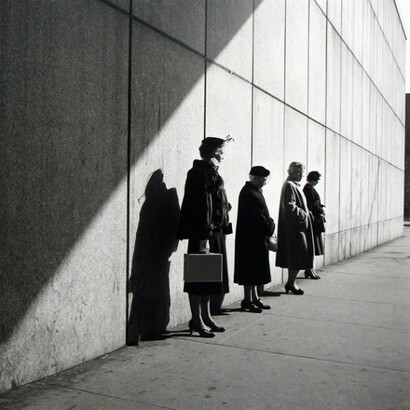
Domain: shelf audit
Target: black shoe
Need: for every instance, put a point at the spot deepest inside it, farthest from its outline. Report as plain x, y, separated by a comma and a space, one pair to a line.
260, 304
250, 307
202, 332
215, 328
311, 274
293, 290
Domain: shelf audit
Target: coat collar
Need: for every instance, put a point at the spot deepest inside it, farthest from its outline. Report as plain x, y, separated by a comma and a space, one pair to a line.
250, 185
293, 182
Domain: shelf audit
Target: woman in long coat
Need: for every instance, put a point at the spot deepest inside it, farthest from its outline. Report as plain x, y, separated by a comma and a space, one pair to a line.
204, 221
253, 229
295, 235
317, 210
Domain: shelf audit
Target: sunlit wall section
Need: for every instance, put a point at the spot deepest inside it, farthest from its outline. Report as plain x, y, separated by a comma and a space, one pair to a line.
371, 130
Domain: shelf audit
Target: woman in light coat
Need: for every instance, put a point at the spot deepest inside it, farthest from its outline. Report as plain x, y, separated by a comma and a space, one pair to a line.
295, 234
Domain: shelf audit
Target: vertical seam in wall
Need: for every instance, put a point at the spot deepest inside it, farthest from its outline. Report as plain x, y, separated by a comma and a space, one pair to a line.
284, 107
352, 227
362, 128
127, 263
340, 131
205, 63
307, 91
326, 128
253, 76
284, 91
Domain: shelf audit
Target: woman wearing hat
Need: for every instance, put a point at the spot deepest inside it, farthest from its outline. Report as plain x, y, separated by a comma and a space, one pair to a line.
204, 222
254, 227
317, 210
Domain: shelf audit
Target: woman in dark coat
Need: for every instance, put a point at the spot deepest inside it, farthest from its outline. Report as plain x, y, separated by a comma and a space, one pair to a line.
253, 229
295, 235
204, 221
317, 210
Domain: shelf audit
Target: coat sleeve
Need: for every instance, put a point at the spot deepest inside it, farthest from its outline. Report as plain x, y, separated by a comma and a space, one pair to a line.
313, 201
260, 217
296, 215
196, 210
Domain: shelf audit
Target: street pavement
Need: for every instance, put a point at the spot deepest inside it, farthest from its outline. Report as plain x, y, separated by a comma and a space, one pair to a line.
345, 344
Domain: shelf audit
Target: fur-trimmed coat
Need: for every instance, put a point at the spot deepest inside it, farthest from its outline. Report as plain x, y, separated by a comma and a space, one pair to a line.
205, 206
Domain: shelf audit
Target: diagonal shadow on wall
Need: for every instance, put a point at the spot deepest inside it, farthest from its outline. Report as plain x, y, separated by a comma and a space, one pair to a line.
64, 113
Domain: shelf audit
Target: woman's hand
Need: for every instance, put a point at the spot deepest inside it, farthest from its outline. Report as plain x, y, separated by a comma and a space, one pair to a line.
204, 246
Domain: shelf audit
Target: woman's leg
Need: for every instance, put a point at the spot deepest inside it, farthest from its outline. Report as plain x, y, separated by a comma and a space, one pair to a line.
292, 273
291, 284
195, 304
247, 293
216, 303
250, 297
206, 312
254, 294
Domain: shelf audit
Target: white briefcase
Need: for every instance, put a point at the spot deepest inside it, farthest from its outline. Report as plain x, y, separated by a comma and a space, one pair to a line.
203, 267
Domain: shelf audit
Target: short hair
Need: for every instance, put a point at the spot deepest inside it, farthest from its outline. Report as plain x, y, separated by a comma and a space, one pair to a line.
295, 165
313, 176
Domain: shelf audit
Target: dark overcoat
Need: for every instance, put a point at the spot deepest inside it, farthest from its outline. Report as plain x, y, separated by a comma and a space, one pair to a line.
318, 218
254, 227
205, 206
295, 234
204, 215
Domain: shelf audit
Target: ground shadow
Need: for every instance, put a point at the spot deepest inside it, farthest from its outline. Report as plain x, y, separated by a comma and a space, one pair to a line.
155, 242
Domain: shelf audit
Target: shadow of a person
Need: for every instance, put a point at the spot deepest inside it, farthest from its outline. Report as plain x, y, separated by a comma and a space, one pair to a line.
154, 243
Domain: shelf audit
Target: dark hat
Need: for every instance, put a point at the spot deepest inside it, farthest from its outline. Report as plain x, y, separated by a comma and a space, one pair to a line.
213, 141
313, 176
259, 171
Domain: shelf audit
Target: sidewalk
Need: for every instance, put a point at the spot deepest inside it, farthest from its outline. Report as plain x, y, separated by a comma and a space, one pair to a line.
345, 344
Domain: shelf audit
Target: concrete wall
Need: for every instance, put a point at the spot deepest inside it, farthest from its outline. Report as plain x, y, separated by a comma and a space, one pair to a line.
407, 161
102, 116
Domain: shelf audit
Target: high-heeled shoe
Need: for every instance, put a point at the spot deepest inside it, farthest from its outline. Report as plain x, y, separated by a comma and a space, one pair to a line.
215, 328
260, 304
293, 290
250, 306
311, 274
202, 332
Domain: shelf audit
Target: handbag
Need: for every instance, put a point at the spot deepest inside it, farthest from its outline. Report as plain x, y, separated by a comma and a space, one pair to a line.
273, 243
203, 267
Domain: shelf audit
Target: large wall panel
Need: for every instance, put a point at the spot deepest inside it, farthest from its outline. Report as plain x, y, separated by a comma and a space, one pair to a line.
167, 126
226, 90
317, 64
296, 66
269, 47
229, 34
268, 140
333, 78
63, 110
183, 20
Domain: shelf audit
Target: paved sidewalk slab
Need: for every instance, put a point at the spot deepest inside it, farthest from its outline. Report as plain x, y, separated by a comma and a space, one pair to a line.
345, 344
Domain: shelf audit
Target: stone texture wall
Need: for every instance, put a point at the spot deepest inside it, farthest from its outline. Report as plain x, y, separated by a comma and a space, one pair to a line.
102, 116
